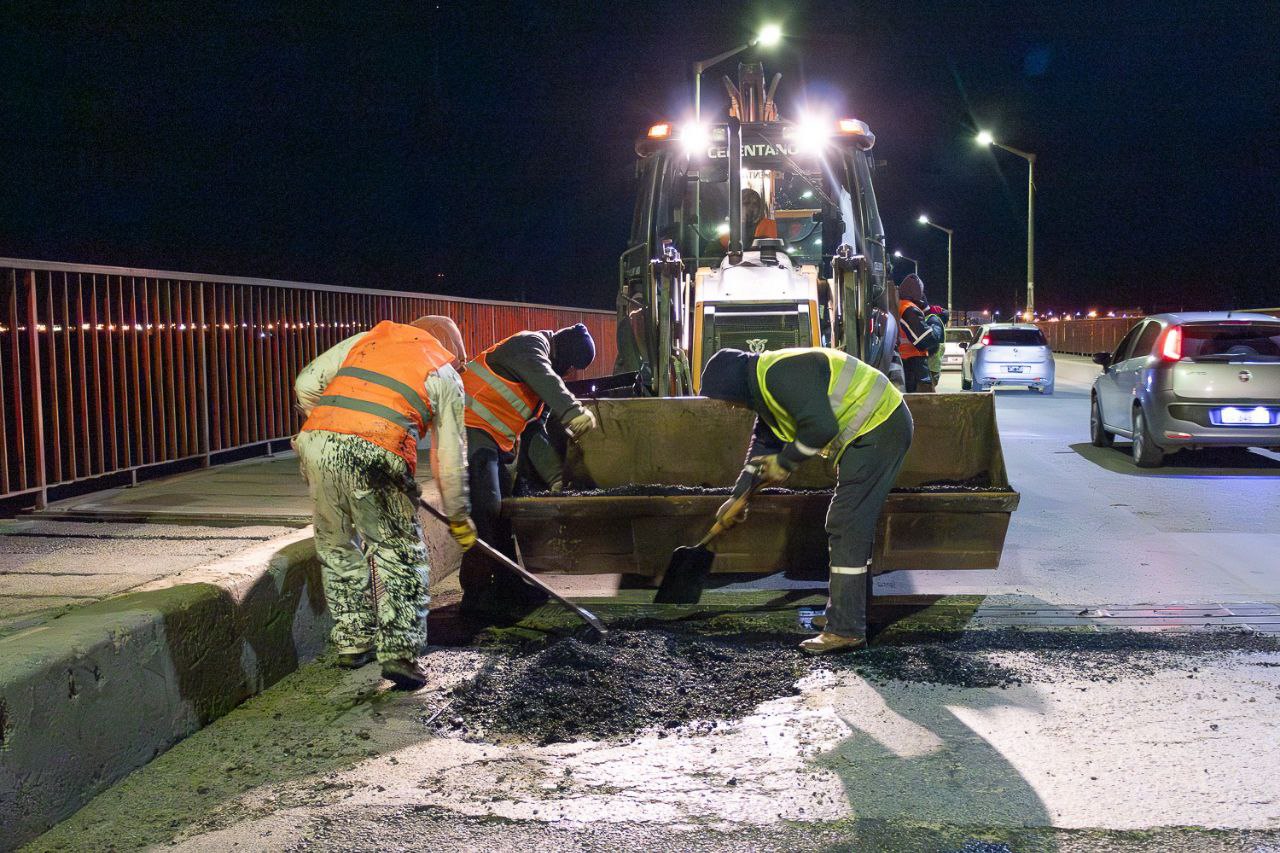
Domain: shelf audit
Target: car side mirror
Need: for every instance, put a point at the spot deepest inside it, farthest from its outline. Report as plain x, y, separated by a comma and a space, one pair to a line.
1102, 358
964, 345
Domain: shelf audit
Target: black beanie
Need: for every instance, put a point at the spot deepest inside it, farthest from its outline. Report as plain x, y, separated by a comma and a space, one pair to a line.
573, 348
725, 376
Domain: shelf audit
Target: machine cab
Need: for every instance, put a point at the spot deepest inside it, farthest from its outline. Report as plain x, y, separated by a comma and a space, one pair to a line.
756, 232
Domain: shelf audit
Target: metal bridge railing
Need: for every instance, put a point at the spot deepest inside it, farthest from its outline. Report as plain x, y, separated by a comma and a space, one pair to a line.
108, 370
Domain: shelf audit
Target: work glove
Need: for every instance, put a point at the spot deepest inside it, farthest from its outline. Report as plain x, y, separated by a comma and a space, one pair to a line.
581, 425
729, 522
770, 469
411, 487
463, 530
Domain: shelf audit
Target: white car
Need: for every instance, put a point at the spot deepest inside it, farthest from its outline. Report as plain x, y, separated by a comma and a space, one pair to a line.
1008, 354
953, 349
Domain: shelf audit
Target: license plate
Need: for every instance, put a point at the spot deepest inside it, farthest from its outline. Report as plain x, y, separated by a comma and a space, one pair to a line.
951, 359
1259, 416
1015, 368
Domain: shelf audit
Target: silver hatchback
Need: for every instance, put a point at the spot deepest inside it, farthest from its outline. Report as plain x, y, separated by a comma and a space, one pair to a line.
1008, 354
1191, 380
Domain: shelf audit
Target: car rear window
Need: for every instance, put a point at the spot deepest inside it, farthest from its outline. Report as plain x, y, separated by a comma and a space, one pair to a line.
1206, 340
1017, 337
955, 336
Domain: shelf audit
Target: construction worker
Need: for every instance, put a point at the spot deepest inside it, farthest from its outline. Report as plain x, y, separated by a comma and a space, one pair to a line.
811, 401
507, 387
916, 337
368, 401
755, 220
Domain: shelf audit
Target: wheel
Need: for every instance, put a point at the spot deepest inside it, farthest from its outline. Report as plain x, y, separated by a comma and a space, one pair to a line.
1047, 390
1146, 453
1098, 434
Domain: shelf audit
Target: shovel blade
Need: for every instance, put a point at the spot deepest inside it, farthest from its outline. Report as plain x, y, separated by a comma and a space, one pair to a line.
686, 574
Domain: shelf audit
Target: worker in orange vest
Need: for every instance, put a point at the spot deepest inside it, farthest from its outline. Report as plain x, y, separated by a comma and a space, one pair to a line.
368, 401
916, 337
508, 385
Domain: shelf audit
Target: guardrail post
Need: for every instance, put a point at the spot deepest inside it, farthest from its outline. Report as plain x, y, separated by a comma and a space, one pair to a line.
204, 382
37, 402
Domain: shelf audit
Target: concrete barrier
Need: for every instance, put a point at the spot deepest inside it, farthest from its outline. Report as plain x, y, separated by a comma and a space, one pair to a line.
87, 698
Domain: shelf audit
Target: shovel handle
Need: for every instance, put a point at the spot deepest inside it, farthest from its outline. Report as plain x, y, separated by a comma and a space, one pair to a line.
586, 615
734, 508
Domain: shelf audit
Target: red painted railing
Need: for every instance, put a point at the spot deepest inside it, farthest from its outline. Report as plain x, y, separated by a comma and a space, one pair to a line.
107, 370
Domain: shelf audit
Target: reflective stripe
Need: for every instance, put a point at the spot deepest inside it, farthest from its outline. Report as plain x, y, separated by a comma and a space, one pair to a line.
376, 409
865, 410
504, 390
805, 449
391, 384
848, 570
481, 411
848, 372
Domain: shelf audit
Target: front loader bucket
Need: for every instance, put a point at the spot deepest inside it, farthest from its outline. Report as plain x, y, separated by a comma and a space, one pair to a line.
949, 510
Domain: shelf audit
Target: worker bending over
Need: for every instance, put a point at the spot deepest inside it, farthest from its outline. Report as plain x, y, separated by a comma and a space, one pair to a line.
507, 387
368, 401
811, 401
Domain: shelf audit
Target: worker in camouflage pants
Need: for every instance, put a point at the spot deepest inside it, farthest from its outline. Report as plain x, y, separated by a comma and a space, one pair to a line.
369, 400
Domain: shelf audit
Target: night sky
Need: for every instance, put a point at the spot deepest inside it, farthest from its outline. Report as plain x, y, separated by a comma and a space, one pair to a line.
487, 150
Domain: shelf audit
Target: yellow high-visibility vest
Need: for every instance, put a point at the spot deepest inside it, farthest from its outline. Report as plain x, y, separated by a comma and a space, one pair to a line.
861, 397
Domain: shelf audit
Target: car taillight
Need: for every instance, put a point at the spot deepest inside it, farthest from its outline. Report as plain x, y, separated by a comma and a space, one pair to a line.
1171, 349
985, 340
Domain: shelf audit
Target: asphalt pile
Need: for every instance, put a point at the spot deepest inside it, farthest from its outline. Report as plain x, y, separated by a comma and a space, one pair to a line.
979, 483
630, 681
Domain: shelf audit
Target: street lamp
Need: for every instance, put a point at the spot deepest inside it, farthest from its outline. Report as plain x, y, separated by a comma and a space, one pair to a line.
770, 35
985, 138
915, 265
924, 220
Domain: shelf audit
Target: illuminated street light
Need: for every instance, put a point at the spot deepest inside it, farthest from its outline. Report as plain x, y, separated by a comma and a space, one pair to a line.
770, 35
985, 138
924, 220
915, 265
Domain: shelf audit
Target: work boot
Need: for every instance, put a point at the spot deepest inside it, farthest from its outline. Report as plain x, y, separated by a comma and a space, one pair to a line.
355, 660
827, 642
405, 673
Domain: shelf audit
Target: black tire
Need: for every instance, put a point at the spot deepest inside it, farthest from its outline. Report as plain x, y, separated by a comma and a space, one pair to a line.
1146, 453
1047, 390
965, 384
1098, 434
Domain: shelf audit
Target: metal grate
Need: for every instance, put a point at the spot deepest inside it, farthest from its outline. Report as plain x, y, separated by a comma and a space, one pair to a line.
756, 331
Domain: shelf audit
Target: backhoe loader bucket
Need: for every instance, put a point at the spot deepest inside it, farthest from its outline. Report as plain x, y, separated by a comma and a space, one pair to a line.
949, 510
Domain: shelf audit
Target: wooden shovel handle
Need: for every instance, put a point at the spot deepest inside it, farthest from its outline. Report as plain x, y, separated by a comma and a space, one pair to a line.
734, 508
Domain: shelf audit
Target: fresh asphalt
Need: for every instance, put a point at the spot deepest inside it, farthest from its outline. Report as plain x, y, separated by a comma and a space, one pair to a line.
1094, 529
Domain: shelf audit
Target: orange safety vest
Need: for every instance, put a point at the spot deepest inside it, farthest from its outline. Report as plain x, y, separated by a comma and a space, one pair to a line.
906, 349
765, 228
378, 393
498, 406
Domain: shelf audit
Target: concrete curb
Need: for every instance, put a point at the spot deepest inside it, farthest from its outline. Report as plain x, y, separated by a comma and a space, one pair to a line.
91, 696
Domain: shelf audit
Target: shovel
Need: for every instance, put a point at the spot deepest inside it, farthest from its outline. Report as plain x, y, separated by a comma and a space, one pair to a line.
586, 615
687, 572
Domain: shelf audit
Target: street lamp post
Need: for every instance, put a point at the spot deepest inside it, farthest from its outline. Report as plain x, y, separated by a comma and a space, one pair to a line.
985, 138
915, 265
924, 220
769, 35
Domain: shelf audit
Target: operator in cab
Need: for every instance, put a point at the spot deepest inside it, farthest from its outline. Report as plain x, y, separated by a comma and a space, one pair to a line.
755, 219
818, 401
508, 386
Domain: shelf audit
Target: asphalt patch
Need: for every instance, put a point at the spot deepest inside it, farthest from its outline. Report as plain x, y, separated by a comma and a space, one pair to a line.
628, 682
648, 678
980, 483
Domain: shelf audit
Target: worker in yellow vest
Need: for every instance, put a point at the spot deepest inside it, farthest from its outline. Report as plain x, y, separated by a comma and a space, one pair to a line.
368, 401
816, 401
507, 386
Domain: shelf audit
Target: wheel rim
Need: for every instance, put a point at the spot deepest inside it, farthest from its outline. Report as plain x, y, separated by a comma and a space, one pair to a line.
1093, 420
1139, 437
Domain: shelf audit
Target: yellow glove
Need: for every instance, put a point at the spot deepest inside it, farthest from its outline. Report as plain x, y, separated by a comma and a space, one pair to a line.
769, 469
581, 425
729, 522
463, 530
